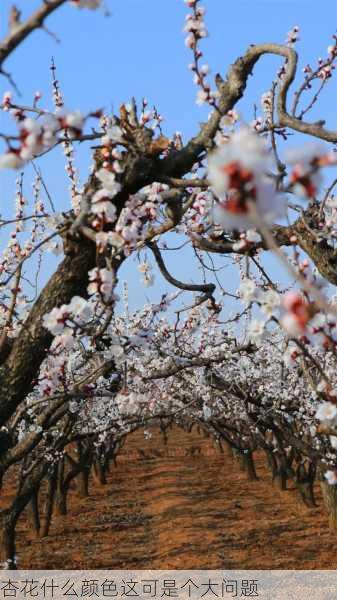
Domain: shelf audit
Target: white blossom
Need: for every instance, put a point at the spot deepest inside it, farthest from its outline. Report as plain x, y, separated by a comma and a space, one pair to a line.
109, 182
247, 290
113, 134
331, 477
11, 160
101, 205
101, 281
256, 331
269, 302
326, 412
236, 172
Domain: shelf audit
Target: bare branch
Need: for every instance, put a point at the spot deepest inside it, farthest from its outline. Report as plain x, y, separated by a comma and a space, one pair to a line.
197, 362
231, 90
206, 288
23, 30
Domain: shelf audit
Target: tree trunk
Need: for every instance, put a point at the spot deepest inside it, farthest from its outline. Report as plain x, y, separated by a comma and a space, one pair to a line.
226, 447
85, 461
330, 502
49, 504
249, 465
34, 510
61, 500
61, 489
8, 521
83, 482
280, 479
305, 479
271, 462
236, 454
306, 490
284, 470
7, 543
100, 472
10, 516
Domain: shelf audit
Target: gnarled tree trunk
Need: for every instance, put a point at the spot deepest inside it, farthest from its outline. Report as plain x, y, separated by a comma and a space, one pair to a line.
330, 502
7, 539
305, 479
249, 465
49, 505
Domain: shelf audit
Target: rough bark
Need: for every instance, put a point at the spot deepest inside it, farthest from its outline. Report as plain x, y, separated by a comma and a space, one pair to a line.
49, 505
9, 517
7, 539
83, 482
249, 465
283, 471
305, 479
330, 502
30, 347
99, 472
35, 512
271, 460
61, 489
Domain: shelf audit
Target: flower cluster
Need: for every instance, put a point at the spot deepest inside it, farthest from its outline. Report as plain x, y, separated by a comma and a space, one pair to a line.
76, 313
306, 177
38, 136
102, 207
139, 211
247, 240
293, 36
7, 101
196, 30
195, 26
111, 186
298, 313
146, 270
236, 172
102, 283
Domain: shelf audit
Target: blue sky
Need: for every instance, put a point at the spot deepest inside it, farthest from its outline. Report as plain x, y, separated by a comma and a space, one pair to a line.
139, 51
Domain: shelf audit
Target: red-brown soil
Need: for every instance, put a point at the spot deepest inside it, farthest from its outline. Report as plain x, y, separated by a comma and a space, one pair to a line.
182, 506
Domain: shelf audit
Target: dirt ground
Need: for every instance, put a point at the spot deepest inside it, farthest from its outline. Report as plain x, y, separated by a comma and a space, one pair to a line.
182, 506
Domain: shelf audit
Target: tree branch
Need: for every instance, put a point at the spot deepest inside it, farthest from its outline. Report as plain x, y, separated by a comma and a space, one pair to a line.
206, 288
197, 362
35, 21
231, 90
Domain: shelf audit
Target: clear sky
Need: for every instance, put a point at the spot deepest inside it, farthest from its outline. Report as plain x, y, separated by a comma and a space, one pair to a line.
139, 51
